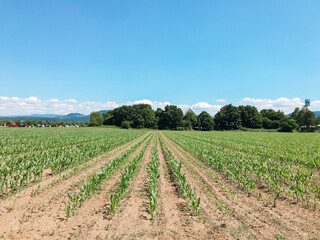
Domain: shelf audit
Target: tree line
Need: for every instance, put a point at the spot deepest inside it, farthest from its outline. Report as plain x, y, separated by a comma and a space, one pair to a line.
228, 118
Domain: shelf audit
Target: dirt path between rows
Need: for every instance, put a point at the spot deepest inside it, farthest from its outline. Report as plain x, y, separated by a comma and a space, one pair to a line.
48, 180
226, 211
132, 219
175, 219
266, 223
222, 225
27, 217
89, 221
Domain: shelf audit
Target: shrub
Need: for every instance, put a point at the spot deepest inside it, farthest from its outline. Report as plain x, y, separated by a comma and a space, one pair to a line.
287, 125
125, 124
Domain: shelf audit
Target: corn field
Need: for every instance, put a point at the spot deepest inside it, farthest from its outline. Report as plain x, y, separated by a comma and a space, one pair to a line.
109, 183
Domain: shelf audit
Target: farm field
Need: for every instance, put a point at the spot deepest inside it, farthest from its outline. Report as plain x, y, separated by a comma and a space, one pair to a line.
105, 183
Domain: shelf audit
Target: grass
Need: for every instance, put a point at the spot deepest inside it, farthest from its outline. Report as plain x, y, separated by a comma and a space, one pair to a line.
280, 236
48, 233
238, 232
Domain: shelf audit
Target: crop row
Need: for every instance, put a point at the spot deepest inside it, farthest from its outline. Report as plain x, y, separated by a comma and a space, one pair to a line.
293, 148
21, 171
249, 171
126, 178
187, 191
26, 141
94, 182
152, 179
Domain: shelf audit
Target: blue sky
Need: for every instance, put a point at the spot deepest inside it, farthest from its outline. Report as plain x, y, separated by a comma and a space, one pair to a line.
182, 52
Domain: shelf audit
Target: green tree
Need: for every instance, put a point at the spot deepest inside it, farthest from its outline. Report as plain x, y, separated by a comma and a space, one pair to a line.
149, 117
62, 123
250, 117
125, 124
186, 125
190, 120
140, 116
138, 121
28, 122
123, 113
206, 121
159, 119
9, 122
95, 119
228, 118
271, 119
108, 118
171, 118
287, 124
295, 113
304, 117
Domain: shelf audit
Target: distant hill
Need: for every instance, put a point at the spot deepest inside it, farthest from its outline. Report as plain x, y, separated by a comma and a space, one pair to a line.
317, 113
74, 117
45, 115
71, 117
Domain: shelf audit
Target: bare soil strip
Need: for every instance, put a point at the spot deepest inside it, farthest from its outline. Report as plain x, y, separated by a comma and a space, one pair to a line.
174, 218
91, 221
132, 219
284, 220
27, 217
211, 212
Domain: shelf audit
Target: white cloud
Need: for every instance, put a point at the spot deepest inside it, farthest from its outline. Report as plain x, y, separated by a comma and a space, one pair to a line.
184, 107
153, 104
145, 101
315, 104
30, 99
31, 105
284, 104
71, 100
4, 98
204, 106
53, 100
21, 106
201, 105
221, 100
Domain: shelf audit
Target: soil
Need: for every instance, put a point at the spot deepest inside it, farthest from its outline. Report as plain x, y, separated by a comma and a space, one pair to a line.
261, 220
25, 208
227, 212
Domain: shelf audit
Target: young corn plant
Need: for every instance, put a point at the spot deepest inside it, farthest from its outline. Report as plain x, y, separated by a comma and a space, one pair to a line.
58, 151
95, 180
126, 179
152, 179
187, 191
249, 170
